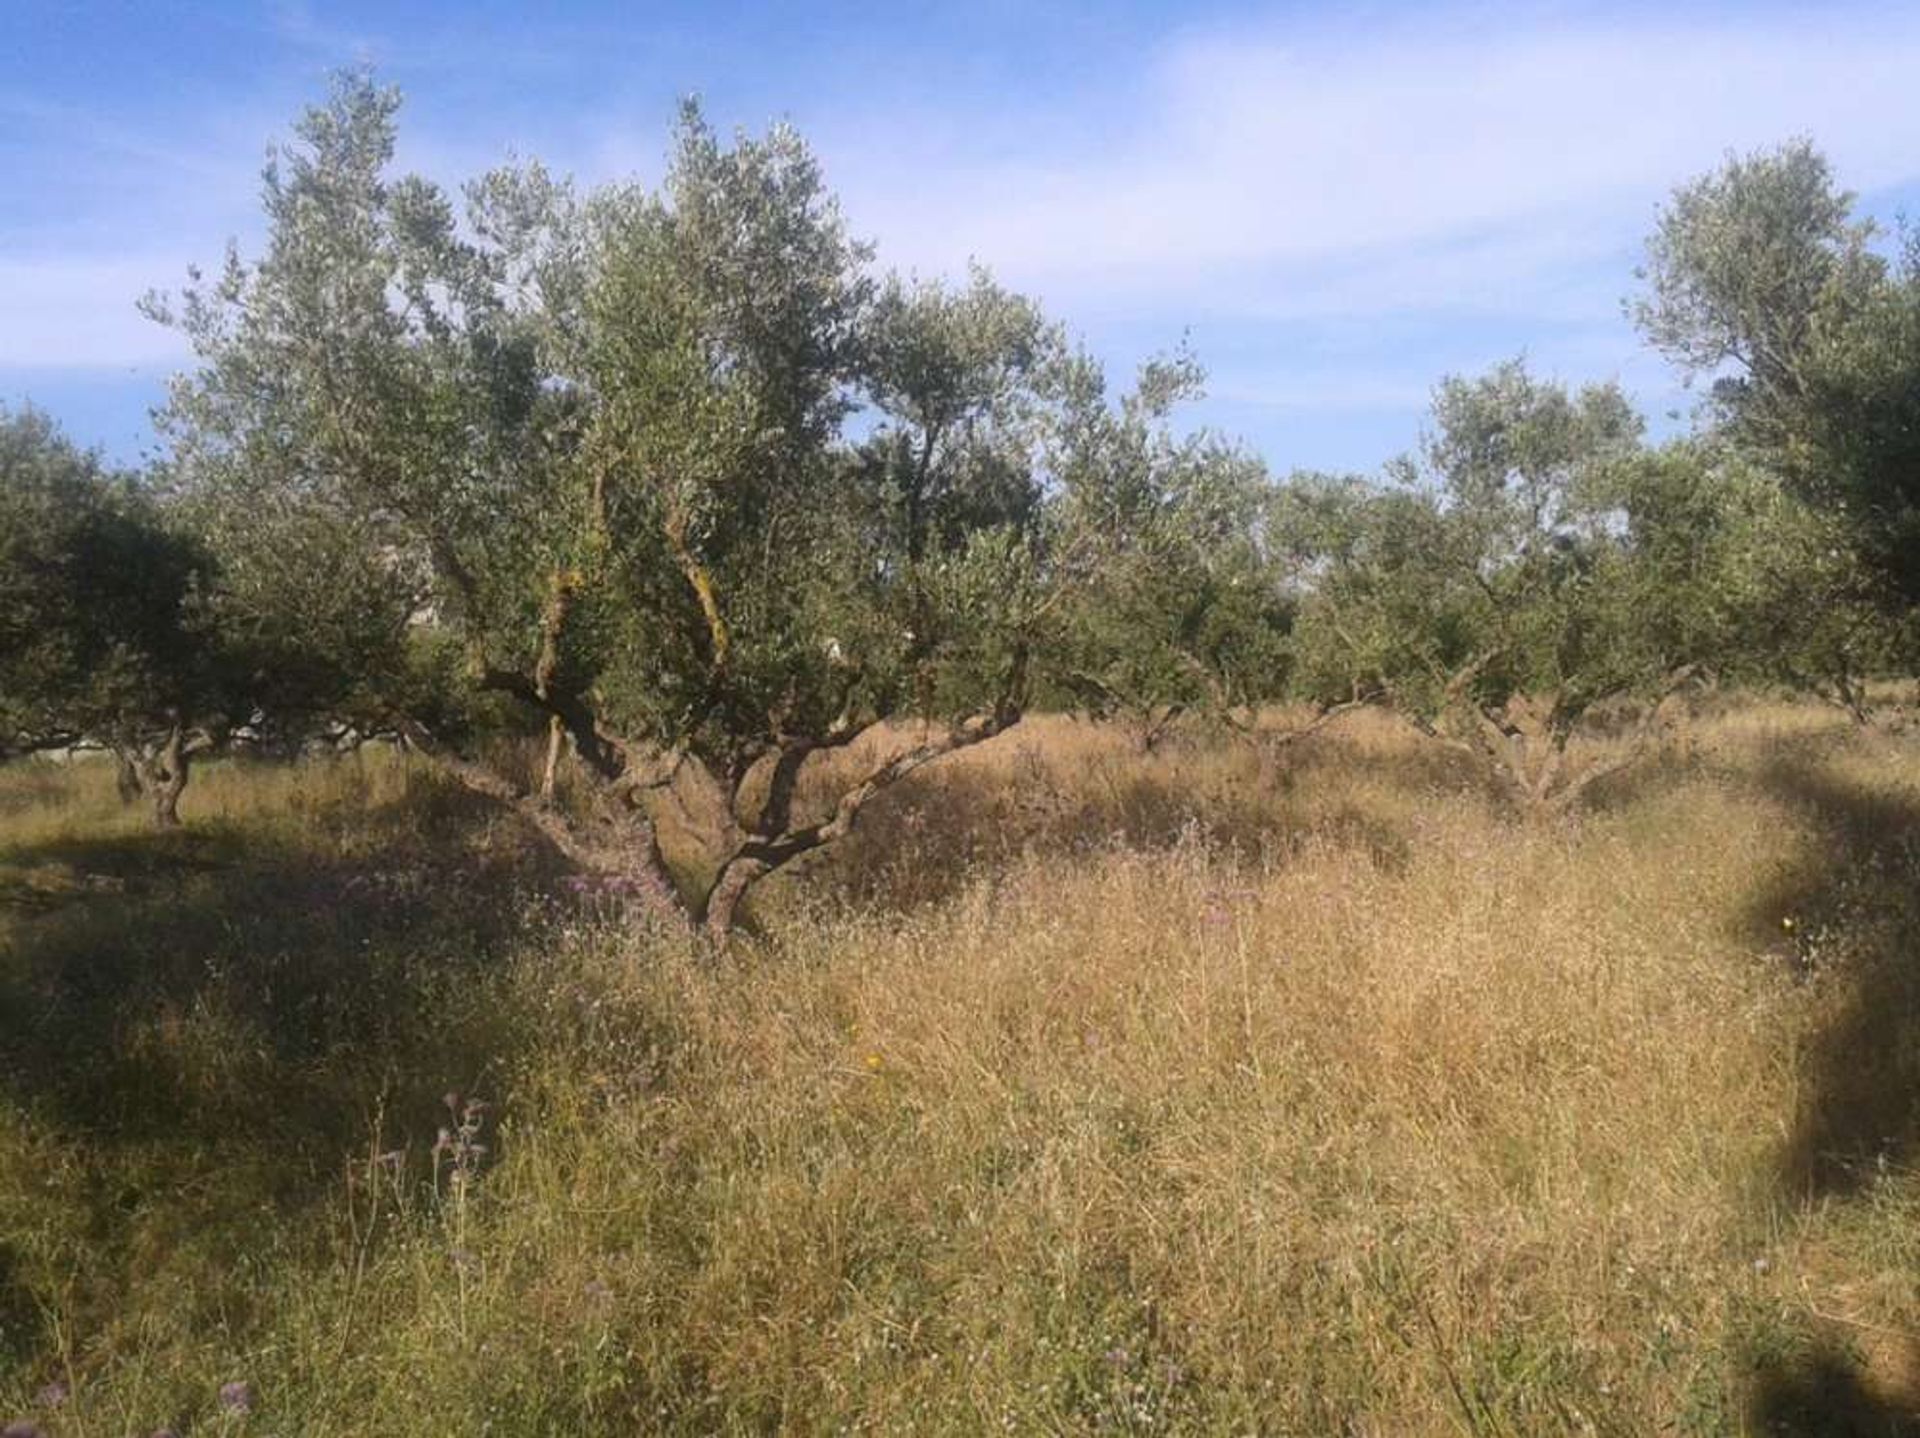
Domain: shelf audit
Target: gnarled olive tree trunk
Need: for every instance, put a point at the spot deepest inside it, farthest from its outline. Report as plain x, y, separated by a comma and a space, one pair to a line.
617, 836
1526, 741
773, 839
161, 770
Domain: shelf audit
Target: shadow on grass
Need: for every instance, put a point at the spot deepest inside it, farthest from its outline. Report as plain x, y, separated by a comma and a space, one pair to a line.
1854, 911
1853, 907
925, 841
1821, 1394
207, 1033
255, 991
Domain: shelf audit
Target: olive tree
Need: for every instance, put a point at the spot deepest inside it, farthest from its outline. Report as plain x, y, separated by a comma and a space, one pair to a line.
671, 469
1761, 279
106, 638
1737, 568
1509, 587
1183, 615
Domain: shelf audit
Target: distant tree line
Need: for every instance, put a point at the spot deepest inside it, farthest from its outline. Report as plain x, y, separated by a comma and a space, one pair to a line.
676, 479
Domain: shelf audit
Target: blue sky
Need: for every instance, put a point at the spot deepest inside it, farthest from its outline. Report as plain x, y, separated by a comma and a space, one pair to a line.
1336, 205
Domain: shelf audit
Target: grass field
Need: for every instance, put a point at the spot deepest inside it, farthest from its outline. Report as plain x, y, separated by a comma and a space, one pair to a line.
1218, 1091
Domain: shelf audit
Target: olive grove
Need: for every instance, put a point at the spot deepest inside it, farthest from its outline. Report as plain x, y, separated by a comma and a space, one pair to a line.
677, 482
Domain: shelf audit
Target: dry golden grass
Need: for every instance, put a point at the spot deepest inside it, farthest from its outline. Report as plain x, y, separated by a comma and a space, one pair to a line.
1300, 1092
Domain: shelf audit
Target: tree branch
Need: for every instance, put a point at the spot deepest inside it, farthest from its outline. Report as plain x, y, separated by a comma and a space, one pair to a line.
626, 843
769, 849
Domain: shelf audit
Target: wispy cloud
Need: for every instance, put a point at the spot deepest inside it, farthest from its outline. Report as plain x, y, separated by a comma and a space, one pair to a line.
295, 22
1345, 212
76, 314
83, 133
1328, 167
1341, 210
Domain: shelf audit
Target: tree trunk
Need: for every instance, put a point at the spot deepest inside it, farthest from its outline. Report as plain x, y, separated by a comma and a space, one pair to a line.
556, 741
127, 776
1153, 727
166, 802
166, 779
776, 842
729, 889
617, 840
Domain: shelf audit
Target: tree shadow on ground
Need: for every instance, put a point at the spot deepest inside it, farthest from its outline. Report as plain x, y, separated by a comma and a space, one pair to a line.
256, 991
1849, 914
926, 840
208, 1032
1821, 1394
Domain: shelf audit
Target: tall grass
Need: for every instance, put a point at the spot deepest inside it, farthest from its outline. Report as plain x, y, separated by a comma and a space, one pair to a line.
1296, 1092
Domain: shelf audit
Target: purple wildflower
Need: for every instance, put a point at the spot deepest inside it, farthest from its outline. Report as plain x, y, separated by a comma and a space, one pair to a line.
237, 1396
54, 1394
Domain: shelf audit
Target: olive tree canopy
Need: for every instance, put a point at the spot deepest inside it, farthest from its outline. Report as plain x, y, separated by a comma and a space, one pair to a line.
1539, 565
107, 636
672, 469
1762, 279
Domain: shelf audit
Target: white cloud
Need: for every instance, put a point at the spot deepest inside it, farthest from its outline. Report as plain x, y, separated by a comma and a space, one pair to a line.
1344, 211
1425, 164
294, 21
81, 313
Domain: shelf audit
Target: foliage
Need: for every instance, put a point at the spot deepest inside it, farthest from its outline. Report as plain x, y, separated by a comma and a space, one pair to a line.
1737, 569
669, 467
1761, 278
106, 637
1182, 612
676, 474
1382, 587
1524, 577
